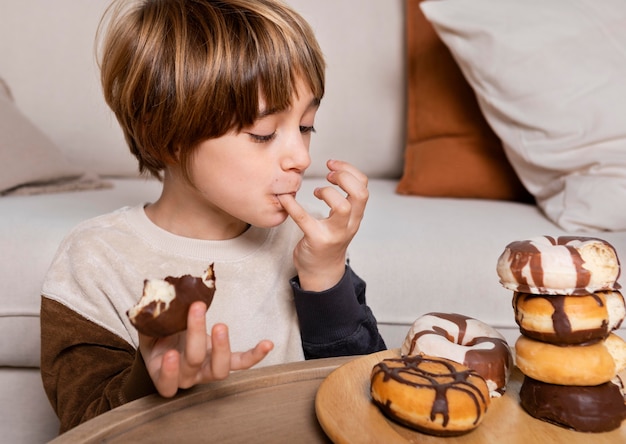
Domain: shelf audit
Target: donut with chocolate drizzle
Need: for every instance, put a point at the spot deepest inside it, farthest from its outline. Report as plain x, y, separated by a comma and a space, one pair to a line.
433, 395
569, 320
465, 340
566, 265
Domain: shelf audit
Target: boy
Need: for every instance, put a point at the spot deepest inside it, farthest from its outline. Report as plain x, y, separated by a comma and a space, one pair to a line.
218, 100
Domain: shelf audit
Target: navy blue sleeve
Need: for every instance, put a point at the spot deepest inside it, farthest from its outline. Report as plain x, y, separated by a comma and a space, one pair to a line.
337, 322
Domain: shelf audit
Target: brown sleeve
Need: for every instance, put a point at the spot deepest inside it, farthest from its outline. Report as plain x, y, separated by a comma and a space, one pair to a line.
86, 369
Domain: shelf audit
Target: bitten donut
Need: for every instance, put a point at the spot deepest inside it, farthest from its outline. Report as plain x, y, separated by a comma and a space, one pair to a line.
434, 395
598, 408
164, 304
465, 340
592, 364
562, 265
567, 320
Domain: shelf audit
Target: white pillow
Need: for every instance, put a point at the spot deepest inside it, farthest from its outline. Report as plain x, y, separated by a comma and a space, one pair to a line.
550, 77
30, 163
27, 156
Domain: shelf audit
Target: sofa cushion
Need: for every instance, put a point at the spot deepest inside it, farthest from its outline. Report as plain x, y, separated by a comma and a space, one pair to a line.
552, 88
26, 415
31, 229
421, 254
416, 254
450, 149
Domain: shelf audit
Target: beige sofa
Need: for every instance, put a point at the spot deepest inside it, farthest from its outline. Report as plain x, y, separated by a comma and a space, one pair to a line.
418, 254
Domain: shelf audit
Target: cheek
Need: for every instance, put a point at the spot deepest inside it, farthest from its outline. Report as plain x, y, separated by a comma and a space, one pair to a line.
231, 168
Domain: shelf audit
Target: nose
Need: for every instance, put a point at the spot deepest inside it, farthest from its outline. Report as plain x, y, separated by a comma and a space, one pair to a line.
296, 154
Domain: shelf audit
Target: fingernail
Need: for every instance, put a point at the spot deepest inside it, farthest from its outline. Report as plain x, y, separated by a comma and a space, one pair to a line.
221, 332
170, 358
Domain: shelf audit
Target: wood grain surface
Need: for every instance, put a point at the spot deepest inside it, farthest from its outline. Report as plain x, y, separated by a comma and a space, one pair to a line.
273, 404
347, 415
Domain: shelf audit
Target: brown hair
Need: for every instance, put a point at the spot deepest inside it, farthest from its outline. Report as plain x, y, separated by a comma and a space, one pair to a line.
178, 72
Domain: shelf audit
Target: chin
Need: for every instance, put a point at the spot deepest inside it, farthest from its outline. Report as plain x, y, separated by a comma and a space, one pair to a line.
272, 220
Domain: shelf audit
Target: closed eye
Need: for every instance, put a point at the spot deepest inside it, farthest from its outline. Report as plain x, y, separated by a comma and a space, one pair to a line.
259, 138
262, 138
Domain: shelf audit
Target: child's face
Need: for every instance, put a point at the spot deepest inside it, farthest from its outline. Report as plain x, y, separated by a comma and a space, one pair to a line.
239, 175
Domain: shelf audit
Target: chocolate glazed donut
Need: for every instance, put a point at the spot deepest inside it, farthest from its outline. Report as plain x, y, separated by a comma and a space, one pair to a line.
432, 395
599, 408
162, 310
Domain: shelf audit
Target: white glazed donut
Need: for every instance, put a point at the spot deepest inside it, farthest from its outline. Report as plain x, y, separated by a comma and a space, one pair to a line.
465, 340
565, 265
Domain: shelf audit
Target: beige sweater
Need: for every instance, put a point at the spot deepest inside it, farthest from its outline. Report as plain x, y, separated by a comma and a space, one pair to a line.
100, 267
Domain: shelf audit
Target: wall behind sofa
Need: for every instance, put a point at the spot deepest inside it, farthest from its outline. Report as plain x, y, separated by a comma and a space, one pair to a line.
47, 58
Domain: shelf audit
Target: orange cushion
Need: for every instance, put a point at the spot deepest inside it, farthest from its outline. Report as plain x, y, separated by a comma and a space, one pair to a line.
451, 150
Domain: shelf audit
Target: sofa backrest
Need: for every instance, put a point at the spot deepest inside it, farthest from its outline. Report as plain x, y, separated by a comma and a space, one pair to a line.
47, 58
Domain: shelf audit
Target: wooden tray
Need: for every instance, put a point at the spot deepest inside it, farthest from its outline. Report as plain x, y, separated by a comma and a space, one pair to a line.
347, 415
268, 404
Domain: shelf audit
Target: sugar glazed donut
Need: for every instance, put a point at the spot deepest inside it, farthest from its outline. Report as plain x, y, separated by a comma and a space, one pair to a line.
562, 265
598, 408
163, 307
567, 320
574, 365
464, 340
433, 395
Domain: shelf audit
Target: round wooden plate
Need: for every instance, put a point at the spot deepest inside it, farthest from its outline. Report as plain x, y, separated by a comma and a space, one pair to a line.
346, 413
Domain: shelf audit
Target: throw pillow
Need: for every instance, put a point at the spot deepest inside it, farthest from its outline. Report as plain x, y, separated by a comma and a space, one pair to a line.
450, 149
549, 77
27, 156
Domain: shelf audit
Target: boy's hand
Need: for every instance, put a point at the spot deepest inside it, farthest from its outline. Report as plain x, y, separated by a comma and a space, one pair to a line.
321, 254
194, 357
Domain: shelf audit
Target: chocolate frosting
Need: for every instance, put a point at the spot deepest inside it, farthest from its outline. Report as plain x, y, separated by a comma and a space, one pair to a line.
600, 408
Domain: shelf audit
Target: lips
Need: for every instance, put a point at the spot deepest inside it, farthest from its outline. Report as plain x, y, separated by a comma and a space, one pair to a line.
278, 196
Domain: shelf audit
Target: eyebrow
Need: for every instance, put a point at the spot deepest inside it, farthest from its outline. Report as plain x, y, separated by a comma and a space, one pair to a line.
315, 103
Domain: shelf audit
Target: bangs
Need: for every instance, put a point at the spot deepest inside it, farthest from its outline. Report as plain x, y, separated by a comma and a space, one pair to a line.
273, 53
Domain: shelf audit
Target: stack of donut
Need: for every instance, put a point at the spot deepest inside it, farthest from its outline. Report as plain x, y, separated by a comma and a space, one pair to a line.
450, 367
567, 305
